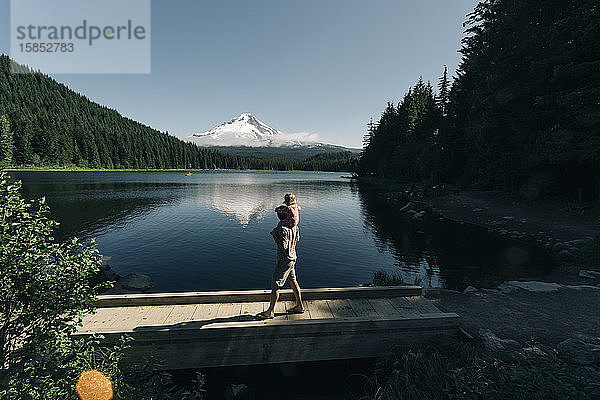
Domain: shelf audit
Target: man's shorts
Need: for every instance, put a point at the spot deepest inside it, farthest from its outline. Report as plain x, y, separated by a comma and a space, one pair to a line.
285, 270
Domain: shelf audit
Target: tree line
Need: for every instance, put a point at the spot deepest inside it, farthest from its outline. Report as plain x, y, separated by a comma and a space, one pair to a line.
523, 111
44, 123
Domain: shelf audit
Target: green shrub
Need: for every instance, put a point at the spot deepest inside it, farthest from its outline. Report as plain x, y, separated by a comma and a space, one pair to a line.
44, 292
44, 285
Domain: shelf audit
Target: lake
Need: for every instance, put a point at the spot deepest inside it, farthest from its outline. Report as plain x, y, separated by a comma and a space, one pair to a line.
210, 230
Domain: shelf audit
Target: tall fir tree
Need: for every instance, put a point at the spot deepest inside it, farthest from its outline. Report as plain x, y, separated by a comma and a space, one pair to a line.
444, 92
6, 143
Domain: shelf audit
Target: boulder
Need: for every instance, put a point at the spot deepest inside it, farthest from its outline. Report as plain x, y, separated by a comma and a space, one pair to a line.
487, 290
581, 287
108, 274
493, 344
559, 246
419, 215
585, 273
134, 282
534, 350
470, 289
580, 352
577, 242
507, 288
530, 286
565, 255
117, 290
437, 291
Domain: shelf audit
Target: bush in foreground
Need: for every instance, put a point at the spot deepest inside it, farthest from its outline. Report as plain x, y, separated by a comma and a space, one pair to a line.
44, 292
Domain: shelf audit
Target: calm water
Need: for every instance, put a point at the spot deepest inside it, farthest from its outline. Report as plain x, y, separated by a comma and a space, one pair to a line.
210, 231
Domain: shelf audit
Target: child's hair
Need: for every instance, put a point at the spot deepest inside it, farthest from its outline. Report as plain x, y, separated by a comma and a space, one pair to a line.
282, 215
289, 199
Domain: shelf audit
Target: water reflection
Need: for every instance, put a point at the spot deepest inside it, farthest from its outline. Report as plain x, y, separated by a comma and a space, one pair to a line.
87, 210
439, 253
247, 202
210, 231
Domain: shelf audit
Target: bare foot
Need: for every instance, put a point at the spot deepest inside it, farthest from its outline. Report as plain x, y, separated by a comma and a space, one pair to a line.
296, 310
265, 315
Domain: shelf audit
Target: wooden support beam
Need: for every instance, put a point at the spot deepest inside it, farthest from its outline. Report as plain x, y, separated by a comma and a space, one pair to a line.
242, 296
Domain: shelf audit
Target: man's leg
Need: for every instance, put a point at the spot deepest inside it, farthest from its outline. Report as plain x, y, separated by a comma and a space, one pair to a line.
299, 307
270, 312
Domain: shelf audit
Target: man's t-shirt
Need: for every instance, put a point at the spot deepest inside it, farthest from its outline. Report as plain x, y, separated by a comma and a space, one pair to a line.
286, 239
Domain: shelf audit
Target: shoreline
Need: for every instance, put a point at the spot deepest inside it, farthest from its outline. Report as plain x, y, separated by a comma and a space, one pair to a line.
43, 169
564, 305
564, 237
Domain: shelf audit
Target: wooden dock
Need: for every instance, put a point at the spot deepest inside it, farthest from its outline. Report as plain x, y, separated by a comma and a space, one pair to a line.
208, 329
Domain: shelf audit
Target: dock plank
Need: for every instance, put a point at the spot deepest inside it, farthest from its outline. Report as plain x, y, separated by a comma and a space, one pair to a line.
229, 311
280, 310
252, 308
340, 308
181, 313
307, 309
102, 319
130, 319
205, 312
423, 305
404, 307
319, 309
362, 308
383, 307
292, 316
157, 315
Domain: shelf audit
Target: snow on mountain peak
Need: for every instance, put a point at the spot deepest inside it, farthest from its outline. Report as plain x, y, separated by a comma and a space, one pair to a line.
244, 130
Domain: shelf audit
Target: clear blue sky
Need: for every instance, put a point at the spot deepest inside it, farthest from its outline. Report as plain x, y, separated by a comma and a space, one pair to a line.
317, 66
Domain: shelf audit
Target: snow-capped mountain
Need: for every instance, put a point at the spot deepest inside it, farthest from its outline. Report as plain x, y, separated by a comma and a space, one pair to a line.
247, 130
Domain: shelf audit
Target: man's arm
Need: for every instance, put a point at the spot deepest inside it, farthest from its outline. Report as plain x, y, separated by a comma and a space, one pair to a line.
285, 237
277, 234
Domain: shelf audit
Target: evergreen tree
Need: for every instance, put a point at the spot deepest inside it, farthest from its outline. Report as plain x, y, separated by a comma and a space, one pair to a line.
6, 142
524, 101
444, 92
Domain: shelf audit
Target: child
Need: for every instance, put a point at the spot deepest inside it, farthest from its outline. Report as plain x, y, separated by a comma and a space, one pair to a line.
290, 209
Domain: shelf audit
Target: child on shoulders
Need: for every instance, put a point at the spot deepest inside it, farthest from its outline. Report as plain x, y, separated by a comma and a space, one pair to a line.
290, 209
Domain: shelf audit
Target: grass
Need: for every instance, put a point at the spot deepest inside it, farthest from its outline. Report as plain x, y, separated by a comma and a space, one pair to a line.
382, 278
451, 369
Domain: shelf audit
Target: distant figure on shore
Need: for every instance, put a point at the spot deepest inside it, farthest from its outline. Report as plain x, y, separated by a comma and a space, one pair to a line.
286, 239
290, 210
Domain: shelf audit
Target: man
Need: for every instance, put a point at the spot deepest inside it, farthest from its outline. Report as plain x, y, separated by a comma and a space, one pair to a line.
285, 270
